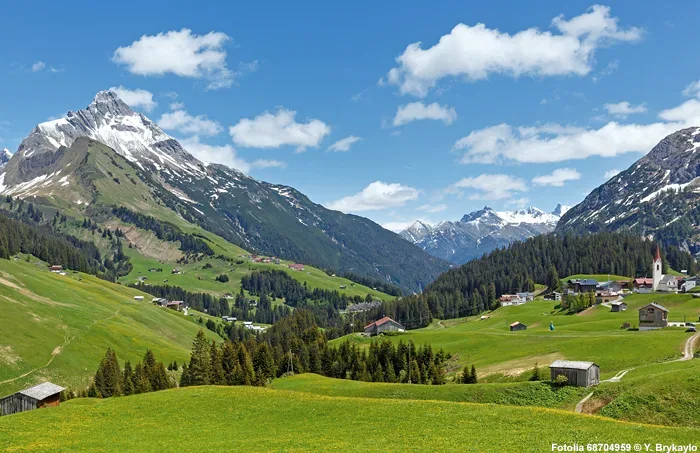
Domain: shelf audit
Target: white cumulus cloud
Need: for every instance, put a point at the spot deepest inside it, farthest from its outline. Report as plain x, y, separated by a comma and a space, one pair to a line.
136, 99
225, 155
418, 111
488, 186
344, 144
376, 196
184, 123
181, 53
557, 178
278, 128
475, 52
624, 109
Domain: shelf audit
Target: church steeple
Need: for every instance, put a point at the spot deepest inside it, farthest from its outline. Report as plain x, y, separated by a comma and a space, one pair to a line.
656, 269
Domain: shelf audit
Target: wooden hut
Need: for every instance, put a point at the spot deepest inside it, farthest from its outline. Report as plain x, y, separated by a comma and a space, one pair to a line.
42, 395
618, 306
517, 326
579, 374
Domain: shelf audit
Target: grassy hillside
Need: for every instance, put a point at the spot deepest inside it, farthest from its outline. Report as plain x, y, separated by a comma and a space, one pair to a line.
515, 394
593, 335
231, 418
660, 394
57, 327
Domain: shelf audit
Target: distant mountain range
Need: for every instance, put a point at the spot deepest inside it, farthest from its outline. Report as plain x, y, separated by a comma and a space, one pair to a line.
658, 196
107, 155
480, 232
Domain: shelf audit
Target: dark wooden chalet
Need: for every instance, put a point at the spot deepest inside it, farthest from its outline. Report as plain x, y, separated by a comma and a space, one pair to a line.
653, 316
42, 395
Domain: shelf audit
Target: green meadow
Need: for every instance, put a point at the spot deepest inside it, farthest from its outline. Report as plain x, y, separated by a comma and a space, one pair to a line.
514, 394
259, 419
593, 335
57, 328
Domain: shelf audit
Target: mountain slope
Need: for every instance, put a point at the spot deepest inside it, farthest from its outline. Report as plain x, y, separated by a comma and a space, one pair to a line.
156, 174
480, 232
5, 156
657, 196
62, 325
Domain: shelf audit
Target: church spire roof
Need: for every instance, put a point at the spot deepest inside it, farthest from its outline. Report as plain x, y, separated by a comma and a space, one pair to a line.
658, 254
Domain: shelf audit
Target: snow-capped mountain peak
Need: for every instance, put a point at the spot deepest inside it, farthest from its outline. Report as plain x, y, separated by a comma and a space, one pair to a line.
529, 215
111, 121
485, 216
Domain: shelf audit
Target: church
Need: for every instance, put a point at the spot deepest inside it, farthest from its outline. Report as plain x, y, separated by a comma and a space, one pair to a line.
661, 282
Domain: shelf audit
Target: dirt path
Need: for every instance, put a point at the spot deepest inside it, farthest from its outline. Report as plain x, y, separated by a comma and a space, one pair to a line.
579, 406
688, 354
58, 349
688, 350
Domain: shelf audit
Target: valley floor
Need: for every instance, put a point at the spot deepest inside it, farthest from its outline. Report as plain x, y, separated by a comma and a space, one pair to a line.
255, 419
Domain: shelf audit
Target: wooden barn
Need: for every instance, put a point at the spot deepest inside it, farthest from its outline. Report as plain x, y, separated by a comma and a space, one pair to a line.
386, 324
653, 316
517, 326
618, 306
579, 374
42, 395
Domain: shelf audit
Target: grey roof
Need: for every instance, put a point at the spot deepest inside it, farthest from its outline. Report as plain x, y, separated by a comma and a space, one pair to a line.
42, 391
665, 279
654, 304
570, 364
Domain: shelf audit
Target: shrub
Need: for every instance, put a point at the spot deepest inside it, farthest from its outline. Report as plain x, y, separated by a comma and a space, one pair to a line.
223, 278
561, 380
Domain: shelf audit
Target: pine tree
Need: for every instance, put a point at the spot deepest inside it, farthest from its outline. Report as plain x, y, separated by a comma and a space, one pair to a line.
200, 361
473, 378
217, 371
128, 380
263, 364
141, 381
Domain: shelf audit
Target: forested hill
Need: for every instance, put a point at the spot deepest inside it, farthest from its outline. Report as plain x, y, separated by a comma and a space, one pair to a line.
476, 285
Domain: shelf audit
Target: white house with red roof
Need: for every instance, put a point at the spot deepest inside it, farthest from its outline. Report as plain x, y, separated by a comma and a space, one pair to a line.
386, 324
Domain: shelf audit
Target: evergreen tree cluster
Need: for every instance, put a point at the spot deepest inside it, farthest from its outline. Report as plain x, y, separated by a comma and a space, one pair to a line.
295, 344
165, 231
48, 245
110, 380
378, 285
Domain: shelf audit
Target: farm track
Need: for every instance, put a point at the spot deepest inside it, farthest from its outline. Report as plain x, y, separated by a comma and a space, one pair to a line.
688, 354
58, 349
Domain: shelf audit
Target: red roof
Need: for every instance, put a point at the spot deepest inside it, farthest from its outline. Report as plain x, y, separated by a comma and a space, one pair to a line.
378, 323
515, 323
658, 254
644, 281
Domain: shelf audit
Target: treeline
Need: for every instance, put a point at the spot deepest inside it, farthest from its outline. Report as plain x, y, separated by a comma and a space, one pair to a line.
296, 344
164, 231
48, 245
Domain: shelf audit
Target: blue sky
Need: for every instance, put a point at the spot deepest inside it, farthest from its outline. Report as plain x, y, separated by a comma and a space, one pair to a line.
396, 112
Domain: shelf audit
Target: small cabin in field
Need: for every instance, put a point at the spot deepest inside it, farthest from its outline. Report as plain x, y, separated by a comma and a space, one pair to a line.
517, 326
296, 267
579, 374
56, 268
42, 395
138, 297
386, 324
618, 306
175, 305
653, 316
